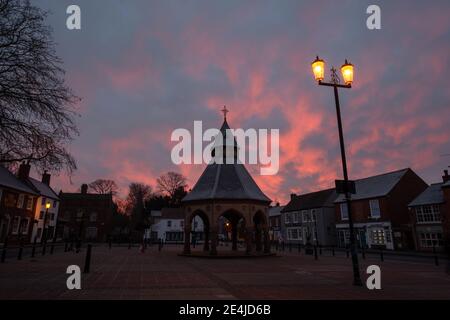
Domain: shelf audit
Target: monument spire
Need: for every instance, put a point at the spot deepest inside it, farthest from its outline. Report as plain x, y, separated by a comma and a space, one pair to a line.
225, 111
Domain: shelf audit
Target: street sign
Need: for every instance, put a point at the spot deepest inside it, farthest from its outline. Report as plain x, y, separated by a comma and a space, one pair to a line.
340, 186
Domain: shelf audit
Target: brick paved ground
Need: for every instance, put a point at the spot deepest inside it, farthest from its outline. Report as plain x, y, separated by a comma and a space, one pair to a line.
120, 273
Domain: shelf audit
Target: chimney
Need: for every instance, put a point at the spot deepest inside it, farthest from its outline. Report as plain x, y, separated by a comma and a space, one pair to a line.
84, 188
277, 204
46, 178
445, 177
24, 171
293, 195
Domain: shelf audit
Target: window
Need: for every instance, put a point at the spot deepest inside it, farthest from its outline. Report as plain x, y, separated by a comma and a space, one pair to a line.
344, 211
169, 223
43, 201
52, 217
91, 232
428, 214
378, 236
10, 200
24, 224
431, 239
15, 225
374, 208
20, 201
93, 217
295, 217
287, 218
313, 215
54, 203
306, 216
39, 232
294, 234
41, 215
181, 224
30, 203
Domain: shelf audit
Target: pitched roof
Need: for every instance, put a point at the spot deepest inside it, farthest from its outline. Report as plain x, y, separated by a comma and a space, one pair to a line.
43, 189
318, 199
9, 180
375, 186
91, 196
432, 195
226, 181
172, 213
446, 184
275, 211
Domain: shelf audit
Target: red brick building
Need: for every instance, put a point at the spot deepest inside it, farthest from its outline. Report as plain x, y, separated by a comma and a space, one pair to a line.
430, 216
380, 210
85, 215
17, 205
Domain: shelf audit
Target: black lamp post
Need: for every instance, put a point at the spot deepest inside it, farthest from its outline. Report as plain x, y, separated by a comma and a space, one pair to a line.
44, 227
318, 67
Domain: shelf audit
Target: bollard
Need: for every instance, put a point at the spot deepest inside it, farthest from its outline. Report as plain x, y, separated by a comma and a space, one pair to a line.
282, 246
290, 247
5, 245
19, 256
110, 243
87, 262
276, 245
332, 250
44, 245
315, 253
299, 248
363, 253
436, 260
160, 245
65, 246
347, 253
320, 249
381, 254
129, 244
52, 248
33, 249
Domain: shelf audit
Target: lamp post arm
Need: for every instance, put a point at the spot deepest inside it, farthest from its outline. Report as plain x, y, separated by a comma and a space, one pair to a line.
336, 85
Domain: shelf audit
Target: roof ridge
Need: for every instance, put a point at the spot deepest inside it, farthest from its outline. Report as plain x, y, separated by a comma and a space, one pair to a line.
384, 174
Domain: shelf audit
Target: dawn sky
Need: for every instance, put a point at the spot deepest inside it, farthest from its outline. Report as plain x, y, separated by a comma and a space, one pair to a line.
145, 68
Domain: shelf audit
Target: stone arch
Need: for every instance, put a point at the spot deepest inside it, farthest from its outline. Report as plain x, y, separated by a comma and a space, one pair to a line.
191, 237
237, 222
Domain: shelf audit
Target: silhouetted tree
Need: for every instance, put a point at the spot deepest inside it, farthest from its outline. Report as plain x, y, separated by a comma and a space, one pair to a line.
104, 186
138, 194
36, 107
171, 183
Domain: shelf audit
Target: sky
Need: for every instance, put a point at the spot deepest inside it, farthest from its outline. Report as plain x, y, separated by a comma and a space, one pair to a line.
145, 68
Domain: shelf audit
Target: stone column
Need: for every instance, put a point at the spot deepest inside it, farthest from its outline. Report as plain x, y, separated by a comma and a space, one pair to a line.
187, 239
266, 240
206, 233
213, 236
258, 235
249, 239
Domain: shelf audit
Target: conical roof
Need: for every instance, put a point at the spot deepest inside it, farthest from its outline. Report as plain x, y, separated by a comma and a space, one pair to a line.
226, 181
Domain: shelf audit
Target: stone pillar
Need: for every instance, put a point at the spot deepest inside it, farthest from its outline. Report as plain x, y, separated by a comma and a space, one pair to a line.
258, 235
266, 240
187, 239
206, 233
249, 239
234, 234
213, 236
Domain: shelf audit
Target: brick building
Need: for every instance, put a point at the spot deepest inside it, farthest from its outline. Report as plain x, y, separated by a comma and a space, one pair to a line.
275, 229
310, 218
380, 210
17, 205
86, 215
430, 216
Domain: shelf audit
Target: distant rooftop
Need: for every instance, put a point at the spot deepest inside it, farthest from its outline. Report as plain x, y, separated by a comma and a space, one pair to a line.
375, 186
43, 189
432, 195
318, 199
9, 180
275, 211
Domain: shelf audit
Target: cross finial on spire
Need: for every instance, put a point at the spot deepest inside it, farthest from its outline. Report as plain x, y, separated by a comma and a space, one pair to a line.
225, 111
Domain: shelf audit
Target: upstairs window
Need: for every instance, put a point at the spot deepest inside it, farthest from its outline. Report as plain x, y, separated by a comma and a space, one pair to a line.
287, 218
374, 208
344, 211
20, 201
428, 214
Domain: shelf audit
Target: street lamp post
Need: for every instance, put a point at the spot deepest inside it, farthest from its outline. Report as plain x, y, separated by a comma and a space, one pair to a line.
318, 67
44, 228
